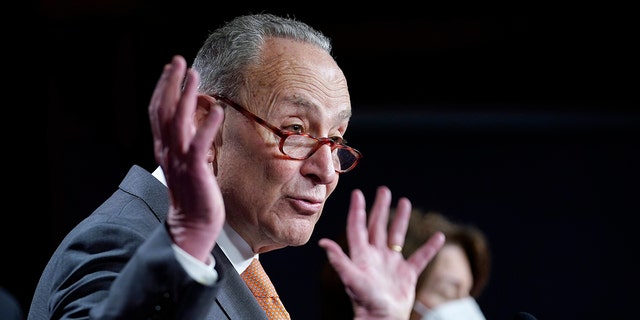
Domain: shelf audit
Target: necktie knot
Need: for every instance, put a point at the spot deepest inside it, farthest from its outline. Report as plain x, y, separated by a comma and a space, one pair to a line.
260, 285
257, 280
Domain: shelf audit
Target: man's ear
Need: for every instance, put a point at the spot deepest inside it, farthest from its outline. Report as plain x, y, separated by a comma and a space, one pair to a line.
203, 107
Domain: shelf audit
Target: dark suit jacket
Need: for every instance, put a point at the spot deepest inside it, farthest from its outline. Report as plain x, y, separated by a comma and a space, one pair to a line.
118, 264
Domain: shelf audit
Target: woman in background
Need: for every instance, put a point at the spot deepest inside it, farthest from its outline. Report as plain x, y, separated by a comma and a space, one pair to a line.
448, 287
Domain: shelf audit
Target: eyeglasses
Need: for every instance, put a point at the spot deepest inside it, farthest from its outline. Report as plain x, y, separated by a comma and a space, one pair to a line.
300, 146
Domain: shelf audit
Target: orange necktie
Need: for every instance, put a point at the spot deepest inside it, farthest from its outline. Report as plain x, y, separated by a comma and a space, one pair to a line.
262, 288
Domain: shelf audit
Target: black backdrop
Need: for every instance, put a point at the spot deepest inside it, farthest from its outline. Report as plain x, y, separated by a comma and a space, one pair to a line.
524, 123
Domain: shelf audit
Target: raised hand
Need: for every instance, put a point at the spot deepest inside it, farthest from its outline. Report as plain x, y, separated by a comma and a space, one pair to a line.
377, 278
183, 133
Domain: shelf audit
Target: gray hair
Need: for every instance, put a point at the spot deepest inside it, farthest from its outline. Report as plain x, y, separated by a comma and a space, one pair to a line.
223, 58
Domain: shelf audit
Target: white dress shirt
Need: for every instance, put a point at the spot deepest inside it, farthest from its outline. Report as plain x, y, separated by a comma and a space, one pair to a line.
233, 246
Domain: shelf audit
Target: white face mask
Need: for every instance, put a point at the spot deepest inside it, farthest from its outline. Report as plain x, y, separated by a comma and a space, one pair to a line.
464, 308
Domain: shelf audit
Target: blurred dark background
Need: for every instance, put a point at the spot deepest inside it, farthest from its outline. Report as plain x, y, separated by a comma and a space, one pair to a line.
522, 121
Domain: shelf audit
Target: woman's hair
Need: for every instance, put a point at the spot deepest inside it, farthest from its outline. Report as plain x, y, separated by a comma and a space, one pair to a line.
471, 239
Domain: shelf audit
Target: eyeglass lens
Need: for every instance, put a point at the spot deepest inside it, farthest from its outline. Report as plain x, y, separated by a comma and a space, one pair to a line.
302, 146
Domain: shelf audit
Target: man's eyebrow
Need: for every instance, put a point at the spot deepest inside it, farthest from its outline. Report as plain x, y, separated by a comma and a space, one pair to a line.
345, 114
299, 101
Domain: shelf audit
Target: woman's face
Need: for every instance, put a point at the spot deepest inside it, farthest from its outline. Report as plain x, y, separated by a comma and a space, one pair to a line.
450, 278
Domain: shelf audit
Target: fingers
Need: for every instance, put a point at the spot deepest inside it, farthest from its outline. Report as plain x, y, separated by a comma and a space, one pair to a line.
421, 257
337, 258
379, 217
163, 103
379, 232
399, 225
360, 237
371, 267
347, 271
183, 128
357, 237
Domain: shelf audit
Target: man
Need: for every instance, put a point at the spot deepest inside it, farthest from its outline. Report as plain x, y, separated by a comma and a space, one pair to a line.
250, 145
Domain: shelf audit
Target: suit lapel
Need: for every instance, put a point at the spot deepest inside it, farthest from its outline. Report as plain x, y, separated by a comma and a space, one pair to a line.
234, 297
140, 183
